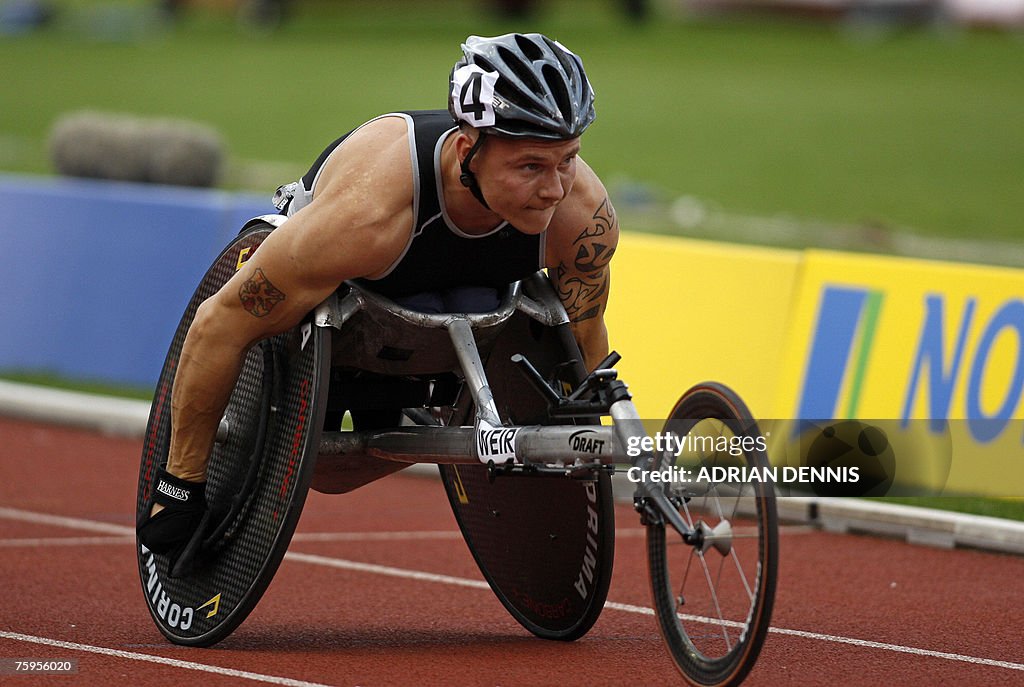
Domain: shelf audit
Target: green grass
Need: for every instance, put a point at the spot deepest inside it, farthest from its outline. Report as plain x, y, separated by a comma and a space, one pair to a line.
87, 386
911, 128
1010, 509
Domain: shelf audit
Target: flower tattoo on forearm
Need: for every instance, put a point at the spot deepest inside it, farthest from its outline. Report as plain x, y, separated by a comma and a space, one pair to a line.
258, 295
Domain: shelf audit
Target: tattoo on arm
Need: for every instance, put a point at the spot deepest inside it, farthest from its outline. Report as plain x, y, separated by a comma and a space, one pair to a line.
258, 295
580, 296
593, 252
583, 287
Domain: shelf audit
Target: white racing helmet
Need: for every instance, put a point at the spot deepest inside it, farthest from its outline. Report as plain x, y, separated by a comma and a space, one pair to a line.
521, 85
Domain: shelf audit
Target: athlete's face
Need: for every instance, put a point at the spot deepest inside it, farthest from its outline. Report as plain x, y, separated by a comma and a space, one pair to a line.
524, 180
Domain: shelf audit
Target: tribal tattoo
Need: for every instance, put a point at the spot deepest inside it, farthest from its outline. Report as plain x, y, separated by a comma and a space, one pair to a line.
258, 295
592, 250
581, 297
582, 287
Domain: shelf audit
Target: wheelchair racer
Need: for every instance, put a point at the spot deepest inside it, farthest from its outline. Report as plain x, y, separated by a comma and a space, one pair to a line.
431, 208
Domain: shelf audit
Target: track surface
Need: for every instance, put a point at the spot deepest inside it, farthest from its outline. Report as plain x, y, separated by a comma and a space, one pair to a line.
379, 589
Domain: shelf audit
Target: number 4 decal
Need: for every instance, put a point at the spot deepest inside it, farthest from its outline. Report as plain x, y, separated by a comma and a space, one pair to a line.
470, 98
473, 95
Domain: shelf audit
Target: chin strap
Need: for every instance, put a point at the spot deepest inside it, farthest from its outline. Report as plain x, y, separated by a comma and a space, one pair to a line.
467, 177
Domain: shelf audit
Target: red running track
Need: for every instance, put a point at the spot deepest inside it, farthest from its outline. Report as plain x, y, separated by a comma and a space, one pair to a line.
346, 609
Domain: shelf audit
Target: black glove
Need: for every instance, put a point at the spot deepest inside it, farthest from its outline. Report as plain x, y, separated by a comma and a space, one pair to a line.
169, 531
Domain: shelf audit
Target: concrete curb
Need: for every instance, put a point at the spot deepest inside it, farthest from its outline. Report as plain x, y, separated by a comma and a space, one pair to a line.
117, 416
945, 529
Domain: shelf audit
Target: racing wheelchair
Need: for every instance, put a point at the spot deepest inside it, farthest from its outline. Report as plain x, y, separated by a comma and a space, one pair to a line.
502, 403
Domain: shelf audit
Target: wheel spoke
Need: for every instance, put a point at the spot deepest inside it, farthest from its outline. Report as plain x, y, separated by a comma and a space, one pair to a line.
681, 597
743, 577
714, 600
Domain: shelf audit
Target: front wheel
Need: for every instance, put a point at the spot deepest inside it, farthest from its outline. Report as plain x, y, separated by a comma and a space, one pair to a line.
713, 592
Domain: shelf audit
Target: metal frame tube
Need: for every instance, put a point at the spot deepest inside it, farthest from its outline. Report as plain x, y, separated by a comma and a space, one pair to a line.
466, 351
627, 424
454, 445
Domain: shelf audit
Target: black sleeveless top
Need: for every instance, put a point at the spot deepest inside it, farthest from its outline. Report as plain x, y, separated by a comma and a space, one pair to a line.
439, 256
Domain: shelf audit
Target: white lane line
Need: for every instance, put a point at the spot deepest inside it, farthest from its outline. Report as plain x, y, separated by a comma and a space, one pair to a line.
375, 536
149, 658
44, 542
385, 570
125, 531
629, 608
340, 563
61, 521
900, 649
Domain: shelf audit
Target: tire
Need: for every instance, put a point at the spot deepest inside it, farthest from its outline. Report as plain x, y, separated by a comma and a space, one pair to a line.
713, 597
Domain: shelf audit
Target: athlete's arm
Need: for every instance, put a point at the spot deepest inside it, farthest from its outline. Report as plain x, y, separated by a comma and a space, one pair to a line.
356, 225
580, 244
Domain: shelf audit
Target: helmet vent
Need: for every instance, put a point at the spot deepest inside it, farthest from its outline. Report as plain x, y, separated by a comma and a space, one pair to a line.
558, 89
521, 70
568, 63
530, 49
484, 64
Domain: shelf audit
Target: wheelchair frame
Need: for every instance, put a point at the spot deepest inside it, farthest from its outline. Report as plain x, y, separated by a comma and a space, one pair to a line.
531, 448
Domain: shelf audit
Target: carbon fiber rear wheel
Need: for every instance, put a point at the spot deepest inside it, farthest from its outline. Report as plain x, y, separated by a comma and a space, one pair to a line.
258, 475
545, 545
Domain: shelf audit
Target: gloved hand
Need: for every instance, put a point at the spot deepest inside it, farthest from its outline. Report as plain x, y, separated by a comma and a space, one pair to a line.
170, 530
